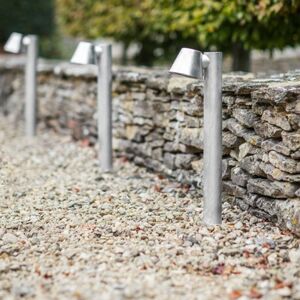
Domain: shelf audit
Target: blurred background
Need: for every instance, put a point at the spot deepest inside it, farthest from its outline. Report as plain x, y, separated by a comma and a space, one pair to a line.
255, 35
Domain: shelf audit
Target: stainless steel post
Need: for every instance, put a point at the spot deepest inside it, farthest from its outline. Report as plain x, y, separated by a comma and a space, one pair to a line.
30, 85
104, 107
212, 172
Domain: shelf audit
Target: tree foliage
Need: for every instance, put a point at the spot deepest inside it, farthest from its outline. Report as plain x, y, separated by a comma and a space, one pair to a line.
162, 26
26, 16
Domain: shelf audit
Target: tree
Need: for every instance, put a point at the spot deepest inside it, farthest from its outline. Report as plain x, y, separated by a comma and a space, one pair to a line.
127, 21
26, 16
162, 26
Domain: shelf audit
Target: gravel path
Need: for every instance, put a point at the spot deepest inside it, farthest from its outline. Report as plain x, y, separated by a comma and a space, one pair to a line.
69, 232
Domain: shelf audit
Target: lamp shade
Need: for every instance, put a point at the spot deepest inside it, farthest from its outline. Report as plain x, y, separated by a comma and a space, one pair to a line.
14, 43
84, 54
188, 63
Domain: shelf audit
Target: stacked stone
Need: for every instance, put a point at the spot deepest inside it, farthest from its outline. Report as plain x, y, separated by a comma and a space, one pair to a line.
158, 122
266, 122
160, 126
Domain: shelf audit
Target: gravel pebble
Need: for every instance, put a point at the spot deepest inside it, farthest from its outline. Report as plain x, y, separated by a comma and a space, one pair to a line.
69, 232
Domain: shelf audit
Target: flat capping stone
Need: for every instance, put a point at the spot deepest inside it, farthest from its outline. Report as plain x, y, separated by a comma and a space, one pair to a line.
238, 83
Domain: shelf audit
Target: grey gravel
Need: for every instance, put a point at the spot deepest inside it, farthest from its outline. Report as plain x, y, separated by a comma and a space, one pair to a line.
69, 232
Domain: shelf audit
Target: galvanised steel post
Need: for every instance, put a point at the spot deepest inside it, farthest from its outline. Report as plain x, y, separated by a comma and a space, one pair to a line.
88, 53
193, 63
104, 105
212, 169
18, 43
31, 43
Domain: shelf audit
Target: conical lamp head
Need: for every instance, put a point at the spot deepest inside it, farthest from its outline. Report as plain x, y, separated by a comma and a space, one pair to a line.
84, 54
188, 63
14, 43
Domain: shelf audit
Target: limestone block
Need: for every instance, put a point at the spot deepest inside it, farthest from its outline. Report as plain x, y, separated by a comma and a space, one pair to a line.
184, 160
136, 133
229, 100
276, 174
267, 130
251, 165
140, 121
178, 84
157, 143
157, 154
192, 122
192, 137
247, 148
197, 165
245, 116
291, 140
143, 109
169, 134
153, 136
294, 120
191, 109
267, 204
296, 155
293, 107
240, 131
284, 163
159, 83
275, 189
250, 199
236, 128
161, 107
233, 190
243, 101
169, 160
142, 149
272, 144
276, 118
274, 95
230, 140
259, 108
239, 177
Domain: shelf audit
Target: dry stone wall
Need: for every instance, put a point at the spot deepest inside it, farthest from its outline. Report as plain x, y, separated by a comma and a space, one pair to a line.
158, 124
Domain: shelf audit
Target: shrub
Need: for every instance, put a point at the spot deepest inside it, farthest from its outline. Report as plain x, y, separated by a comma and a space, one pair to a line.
162, 26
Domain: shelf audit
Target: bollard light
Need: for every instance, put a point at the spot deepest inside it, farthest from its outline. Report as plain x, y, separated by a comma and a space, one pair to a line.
14, 43
208, 66
100, 54
18, 43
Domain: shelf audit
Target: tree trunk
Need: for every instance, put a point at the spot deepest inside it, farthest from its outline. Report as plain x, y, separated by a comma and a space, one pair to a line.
146, 55
124, 57
241, 58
